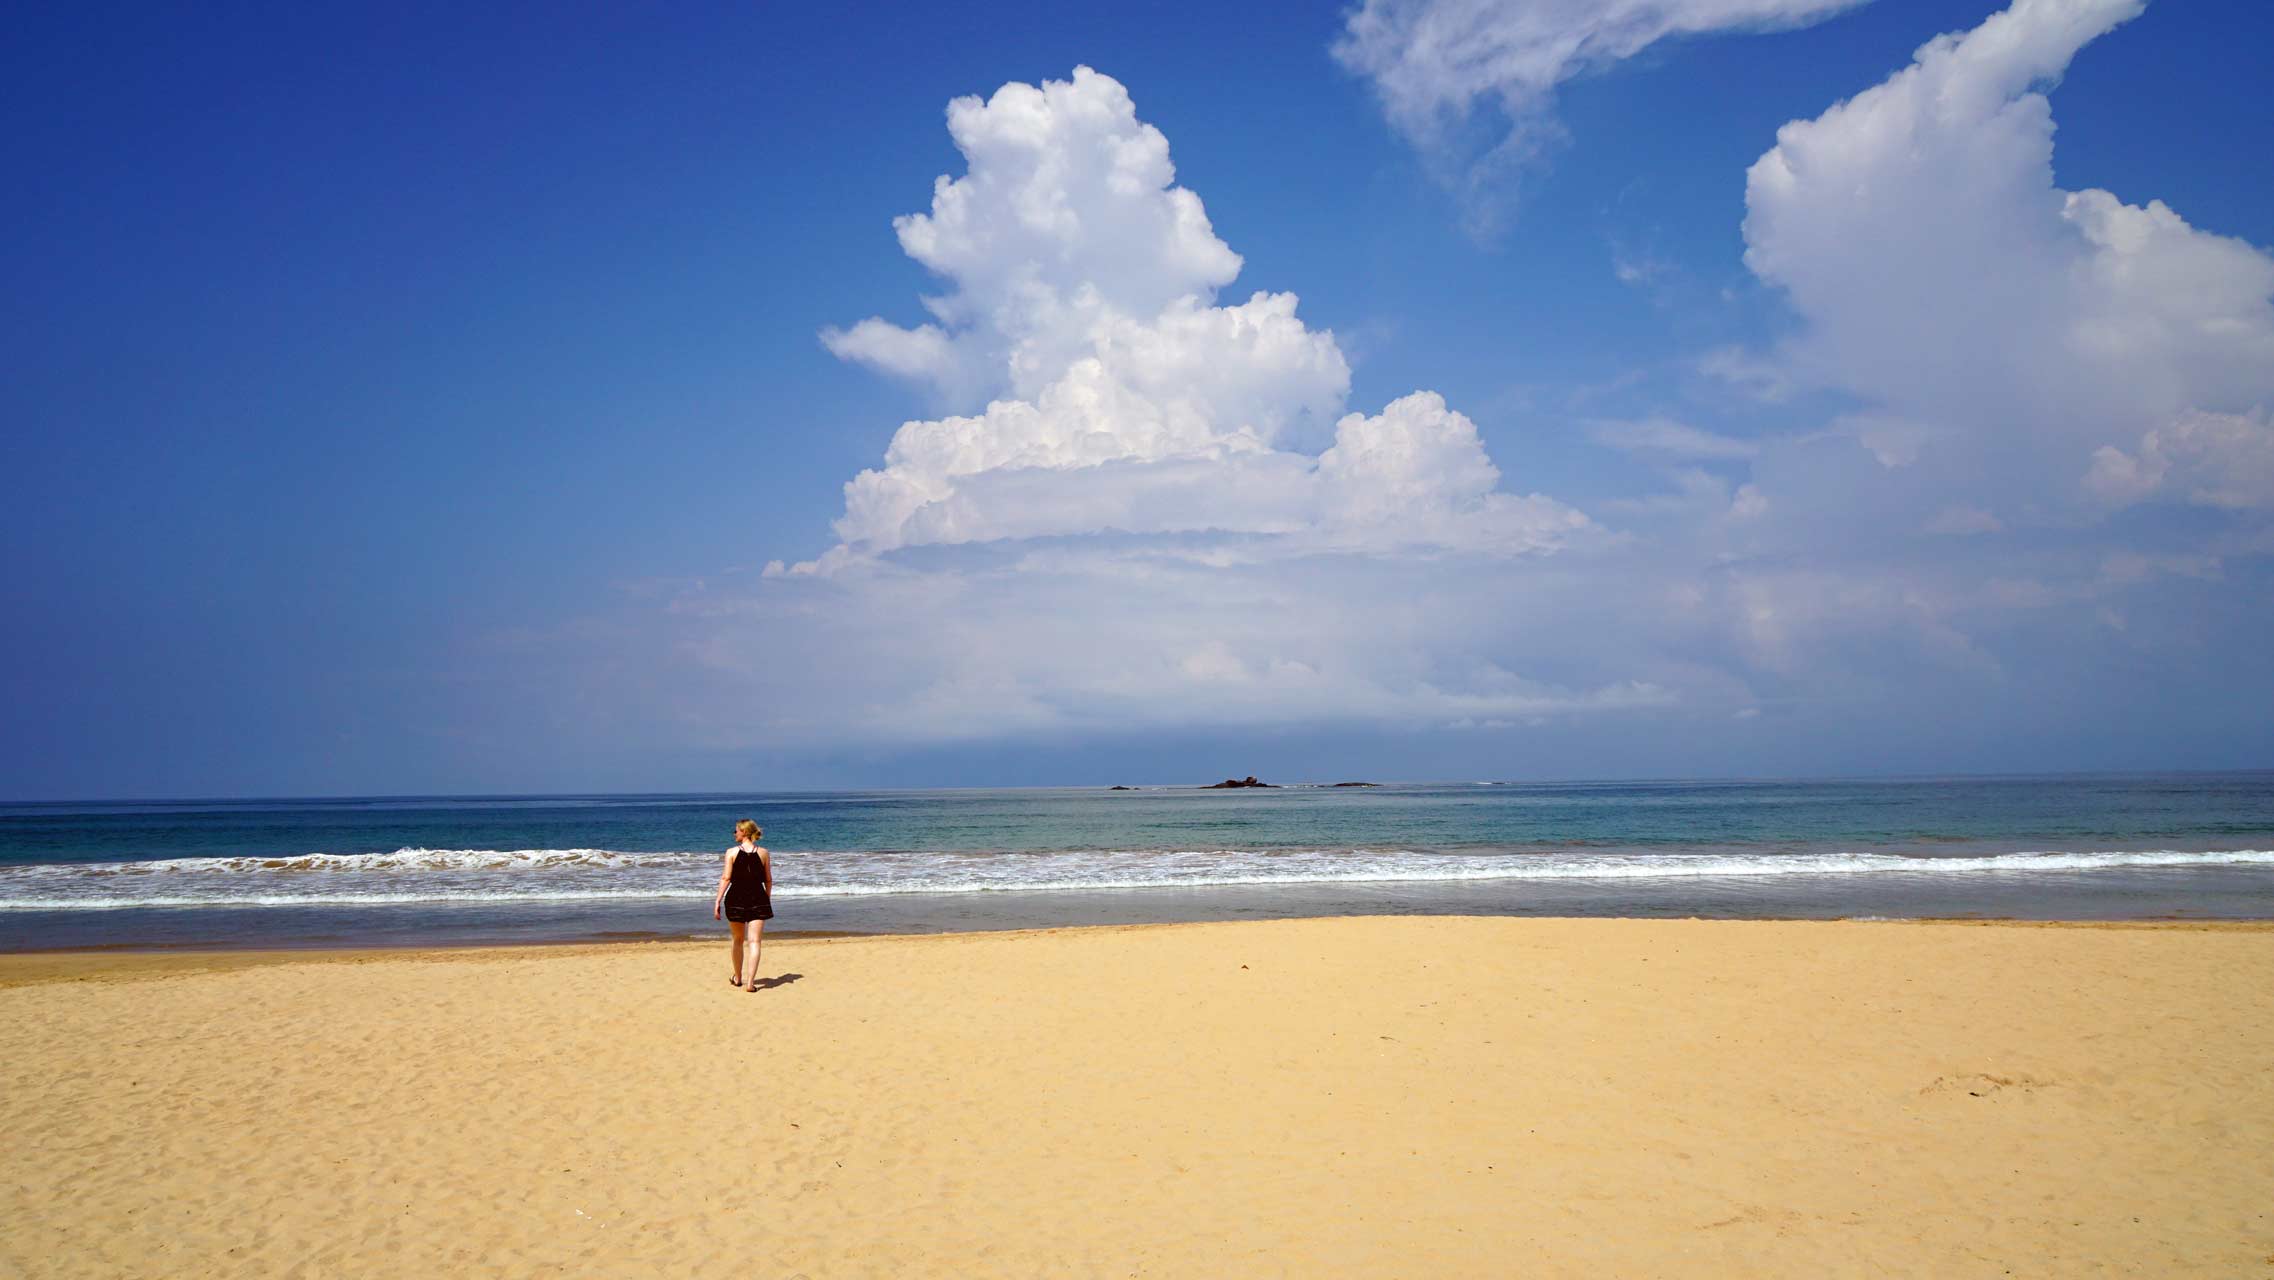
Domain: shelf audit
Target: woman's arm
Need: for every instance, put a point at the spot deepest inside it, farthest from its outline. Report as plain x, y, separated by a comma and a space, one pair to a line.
726, 876
766, 860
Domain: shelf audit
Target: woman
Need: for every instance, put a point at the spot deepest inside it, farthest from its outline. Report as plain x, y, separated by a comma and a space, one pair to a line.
745, 899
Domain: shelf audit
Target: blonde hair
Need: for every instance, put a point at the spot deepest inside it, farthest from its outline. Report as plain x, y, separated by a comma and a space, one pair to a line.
747, 830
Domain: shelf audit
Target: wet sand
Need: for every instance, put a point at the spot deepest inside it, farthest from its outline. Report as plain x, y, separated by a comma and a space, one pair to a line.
1417, 1096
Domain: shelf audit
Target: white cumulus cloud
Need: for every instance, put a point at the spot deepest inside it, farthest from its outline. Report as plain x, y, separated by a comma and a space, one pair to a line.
2002, 328
1124, 399
1067, 218
2210, 459
1118, 525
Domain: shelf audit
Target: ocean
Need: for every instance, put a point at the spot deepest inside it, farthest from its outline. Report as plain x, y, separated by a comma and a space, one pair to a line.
436, 870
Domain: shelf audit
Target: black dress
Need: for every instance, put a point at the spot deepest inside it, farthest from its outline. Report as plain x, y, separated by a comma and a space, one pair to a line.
746, 897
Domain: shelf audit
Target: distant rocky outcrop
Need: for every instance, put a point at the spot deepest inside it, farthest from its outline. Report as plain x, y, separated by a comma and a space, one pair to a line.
1118, 787
1358, 784
1232, 783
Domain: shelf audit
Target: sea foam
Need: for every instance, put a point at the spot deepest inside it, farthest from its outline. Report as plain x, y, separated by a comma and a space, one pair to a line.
570, 875
405, 860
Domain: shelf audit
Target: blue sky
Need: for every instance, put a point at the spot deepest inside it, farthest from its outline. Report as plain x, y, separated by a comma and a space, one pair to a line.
413, 400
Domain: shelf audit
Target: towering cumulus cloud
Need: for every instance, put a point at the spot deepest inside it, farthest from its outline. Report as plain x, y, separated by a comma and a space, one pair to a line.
1434, 61
1119, 397
2055, 345
1149, 507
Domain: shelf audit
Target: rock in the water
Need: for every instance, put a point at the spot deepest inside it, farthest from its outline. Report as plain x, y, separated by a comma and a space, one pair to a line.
1230, 783
1118, 787
1358, 784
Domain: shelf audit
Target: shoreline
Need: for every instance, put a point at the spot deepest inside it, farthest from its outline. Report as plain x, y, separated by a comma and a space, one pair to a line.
2151, 894
323, 948
224, 956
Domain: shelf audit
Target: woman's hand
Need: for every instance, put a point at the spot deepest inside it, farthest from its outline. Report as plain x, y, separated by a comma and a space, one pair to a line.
715, 912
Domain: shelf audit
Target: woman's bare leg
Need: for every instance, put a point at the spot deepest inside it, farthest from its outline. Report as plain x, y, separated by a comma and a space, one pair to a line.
751, 935
735, 930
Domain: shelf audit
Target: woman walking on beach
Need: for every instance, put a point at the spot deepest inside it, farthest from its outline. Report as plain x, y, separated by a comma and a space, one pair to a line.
745, 899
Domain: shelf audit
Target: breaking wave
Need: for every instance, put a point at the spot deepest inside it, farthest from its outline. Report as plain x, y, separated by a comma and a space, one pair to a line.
406, 860
571, 875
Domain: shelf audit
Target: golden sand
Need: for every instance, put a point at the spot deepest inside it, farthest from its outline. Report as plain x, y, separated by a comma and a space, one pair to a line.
1417, 1097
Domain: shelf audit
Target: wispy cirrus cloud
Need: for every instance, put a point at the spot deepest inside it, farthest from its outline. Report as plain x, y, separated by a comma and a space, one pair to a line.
1472, 83
1666, 438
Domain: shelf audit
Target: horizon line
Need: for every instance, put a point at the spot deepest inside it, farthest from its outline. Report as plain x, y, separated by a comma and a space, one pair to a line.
1694, 780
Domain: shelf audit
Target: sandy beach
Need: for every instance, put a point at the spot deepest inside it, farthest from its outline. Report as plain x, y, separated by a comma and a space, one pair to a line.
1458, 1097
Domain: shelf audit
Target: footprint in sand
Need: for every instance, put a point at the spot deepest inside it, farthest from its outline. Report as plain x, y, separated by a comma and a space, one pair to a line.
1982, 1084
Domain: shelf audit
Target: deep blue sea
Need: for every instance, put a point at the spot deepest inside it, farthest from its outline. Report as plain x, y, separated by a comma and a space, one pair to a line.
411, 870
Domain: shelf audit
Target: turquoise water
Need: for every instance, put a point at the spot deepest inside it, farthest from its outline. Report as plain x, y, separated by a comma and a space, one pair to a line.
464, 869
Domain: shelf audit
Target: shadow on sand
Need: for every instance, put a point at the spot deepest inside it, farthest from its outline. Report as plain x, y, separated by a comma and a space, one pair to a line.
778, 980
